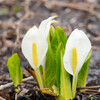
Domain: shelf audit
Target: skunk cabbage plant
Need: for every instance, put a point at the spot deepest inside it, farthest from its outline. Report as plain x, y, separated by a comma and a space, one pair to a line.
59, 65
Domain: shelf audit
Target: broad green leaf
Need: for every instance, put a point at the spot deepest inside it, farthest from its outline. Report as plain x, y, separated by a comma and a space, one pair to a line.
61, 36
62, 77
50, 66
15, 69
82, 76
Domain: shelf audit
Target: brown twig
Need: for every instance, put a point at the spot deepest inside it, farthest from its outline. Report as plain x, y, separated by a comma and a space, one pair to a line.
96, 39
5, 78
89, 87
2, 87
93, 93
7, 24
31, 82
96, 48
90, 90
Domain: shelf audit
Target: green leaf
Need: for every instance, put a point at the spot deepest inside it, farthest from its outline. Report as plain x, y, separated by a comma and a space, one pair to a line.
50, 66
15, 69
58, 67
82, 76
61, 36
62, 77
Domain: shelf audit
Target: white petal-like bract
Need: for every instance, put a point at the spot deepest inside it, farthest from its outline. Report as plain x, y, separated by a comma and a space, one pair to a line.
45, 26
33, 36
80, 41
39, 36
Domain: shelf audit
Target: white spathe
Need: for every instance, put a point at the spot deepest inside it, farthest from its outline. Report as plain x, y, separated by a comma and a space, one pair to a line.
45, 26
80, 41
36, 35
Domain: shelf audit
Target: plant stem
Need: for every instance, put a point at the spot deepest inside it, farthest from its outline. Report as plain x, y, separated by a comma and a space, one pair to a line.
39, 78
74, 85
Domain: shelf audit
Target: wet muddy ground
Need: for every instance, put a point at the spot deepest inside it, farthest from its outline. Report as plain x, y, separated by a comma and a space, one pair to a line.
17, 16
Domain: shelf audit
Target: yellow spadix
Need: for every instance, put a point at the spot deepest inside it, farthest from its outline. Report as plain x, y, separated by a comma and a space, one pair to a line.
74, 59
34, 54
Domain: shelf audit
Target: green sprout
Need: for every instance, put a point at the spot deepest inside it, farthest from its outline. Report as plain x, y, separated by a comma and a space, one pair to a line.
15, 70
